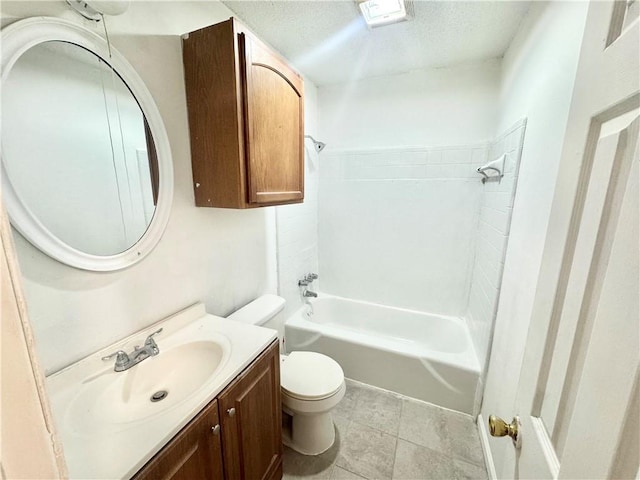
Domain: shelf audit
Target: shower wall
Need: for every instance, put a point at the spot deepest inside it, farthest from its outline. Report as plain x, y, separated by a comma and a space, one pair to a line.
398, 226
297, 224
494, 222
399, 197
434, 107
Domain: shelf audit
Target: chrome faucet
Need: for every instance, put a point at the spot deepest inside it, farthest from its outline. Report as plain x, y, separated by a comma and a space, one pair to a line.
125, 361
304, 283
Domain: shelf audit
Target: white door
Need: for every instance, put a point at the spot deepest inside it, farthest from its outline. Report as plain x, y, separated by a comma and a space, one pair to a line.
578, 394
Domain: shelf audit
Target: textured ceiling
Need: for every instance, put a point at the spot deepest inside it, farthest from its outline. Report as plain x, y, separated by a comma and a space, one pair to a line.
329, 42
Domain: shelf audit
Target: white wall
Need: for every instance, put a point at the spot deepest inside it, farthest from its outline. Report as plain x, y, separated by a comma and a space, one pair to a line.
539, 72
435, 107
222, 257
398, 226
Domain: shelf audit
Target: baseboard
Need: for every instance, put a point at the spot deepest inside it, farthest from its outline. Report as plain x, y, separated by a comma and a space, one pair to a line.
486, 450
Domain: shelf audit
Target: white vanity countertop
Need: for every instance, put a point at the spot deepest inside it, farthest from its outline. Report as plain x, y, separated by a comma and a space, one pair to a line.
102, 439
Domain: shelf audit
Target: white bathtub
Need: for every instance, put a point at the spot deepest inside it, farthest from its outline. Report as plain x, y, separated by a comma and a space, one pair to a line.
421, 355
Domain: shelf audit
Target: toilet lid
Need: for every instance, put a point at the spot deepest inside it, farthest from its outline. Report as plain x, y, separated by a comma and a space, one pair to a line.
310, 375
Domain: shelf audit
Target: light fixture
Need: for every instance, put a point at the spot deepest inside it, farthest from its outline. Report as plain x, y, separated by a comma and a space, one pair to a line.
383, 12
94, 9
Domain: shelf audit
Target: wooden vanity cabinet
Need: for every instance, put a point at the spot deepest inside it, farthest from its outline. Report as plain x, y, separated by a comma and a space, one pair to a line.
238, 436
195, 453
251, 419
246, 120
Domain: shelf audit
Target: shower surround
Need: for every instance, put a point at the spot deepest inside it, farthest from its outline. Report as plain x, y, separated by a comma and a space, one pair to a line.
396, 225
415, 228
492, 237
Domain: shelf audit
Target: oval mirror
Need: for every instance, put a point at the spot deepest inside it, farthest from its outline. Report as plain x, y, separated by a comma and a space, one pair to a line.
86, 166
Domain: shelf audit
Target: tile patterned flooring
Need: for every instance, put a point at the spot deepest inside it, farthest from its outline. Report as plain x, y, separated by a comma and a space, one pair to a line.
382, 435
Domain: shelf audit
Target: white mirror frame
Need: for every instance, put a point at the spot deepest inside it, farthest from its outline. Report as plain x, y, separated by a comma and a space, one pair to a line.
19, 37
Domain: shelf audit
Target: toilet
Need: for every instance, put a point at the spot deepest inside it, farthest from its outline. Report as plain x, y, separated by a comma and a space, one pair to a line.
312, 384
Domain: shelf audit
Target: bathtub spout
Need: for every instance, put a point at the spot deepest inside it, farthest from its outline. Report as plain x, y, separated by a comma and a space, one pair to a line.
309, 310
309, 293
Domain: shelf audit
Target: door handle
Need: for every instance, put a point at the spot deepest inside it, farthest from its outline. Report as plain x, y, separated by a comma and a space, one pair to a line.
500, 428
215, 429
231, 412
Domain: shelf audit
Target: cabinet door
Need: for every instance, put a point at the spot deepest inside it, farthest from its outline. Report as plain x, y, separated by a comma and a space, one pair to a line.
194, 454
251, 421
274, 126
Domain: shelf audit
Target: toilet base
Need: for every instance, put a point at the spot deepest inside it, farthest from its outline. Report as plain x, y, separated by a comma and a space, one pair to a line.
310, 434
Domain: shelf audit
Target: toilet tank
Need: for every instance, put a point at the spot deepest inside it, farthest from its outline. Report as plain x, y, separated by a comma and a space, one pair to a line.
266, 311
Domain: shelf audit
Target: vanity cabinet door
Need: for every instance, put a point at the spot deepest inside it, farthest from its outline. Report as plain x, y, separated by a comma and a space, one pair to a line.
194, 454
251, 415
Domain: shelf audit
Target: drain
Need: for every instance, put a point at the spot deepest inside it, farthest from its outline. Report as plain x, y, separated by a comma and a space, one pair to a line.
159, 395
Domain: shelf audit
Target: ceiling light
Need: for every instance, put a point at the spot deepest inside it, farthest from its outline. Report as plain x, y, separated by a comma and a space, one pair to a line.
383, 12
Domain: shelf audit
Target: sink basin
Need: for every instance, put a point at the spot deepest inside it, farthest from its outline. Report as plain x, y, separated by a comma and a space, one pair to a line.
110, 400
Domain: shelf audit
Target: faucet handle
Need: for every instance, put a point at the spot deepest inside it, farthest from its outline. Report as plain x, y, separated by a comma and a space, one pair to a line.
150, 337
303, 283
150, 342
119, 354
121, 357
311, 277
156, 332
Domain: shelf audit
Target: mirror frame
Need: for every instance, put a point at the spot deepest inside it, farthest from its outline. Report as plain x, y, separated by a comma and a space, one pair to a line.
22, 35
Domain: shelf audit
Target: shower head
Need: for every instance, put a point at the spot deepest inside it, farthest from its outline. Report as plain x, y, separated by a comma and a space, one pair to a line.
319, 146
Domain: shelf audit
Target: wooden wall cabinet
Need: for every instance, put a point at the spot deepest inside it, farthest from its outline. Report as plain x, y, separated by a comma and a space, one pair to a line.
238, 436
246, 120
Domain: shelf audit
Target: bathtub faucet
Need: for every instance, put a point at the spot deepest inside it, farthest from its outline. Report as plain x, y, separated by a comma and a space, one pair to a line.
304, 283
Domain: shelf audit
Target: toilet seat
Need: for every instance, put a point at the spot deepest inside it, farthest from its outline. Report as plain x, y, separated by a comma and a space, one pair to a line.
310, 376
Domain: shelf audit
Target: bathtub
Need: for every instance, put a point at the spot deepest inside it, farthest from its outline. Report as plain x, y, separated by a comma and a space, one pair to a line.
421, 355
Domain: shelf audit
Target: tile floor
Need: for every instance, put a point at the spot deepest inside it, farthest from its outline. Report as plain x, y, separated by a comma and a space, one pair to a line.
382, 435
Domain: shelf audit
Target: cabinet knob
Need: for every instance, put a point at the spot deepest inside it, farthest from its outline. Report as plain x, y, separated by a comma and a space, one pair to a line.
215, 429
231, 412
